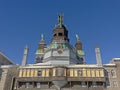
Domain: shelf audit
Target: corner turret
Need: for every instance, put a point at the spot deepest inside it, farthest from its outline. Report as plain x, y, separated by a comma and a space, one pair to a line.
78, 44
79, 50
40, 50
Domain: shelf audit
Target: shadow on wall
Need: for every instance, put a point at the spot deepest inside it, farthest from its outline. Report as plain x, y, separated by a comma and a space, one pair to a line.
1, 73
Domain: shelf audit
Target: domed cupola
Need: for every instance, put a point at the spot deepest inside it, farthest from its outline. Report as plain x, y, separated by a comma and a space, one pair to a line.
60, 33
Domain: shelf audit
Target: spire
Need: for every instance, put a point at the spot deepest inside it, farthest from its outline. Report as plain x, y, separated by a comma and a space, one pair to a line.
98, 56
24, 60
78, 44
60, 20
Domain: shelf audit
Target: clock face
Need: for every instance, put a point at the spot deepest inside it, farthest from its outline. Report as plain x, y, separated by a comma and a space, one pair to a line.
60, 51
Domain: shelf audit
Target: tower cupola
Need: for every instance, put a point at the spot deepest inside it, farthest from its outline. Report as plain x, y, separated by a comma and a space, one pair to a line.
60, 33
42, 44
78, 44
40, 50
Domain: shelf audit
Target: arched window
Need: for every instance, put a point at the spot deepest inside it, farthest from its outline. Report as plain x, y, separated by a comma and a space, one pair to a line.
55, 35
115, 84
80, 73
84, 84
39, 73
106, 73
59, 72
38, 84
27, 85
113, 73
107, 83
60, 34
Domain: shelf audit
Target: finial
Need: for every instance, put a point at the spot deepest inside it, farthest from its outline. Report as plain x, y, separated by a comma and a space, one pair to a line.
42, 37
77, 37
26, 46
60, 20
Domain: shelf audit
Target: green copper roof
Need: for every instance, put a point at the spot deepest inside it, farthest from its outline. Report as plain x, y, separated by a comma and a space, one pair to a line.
80, 52
56, 45
39, 51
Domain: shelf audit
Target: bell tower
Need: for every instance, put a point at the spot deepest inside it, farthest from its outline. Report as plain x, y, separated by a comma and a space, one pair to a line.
60, 33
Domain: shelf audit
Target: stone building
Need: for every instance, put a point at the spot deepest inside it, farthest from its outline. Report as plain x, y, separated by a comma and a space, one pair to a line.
4, 60
7, 72
61, 66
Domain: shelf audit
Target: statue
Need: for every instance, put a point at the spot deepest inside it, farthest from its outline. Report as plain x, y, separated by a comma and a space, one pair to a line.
60, 20
42, 37
77, 37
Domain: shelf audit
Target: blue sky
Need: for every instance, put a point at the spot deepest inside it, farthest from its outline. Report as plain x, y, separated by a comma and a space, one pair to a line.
97, 22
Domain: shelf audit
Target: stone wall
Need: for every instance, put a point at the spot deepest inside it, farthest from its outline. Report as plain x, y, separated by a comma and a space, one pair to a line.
8, 74
113, 77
